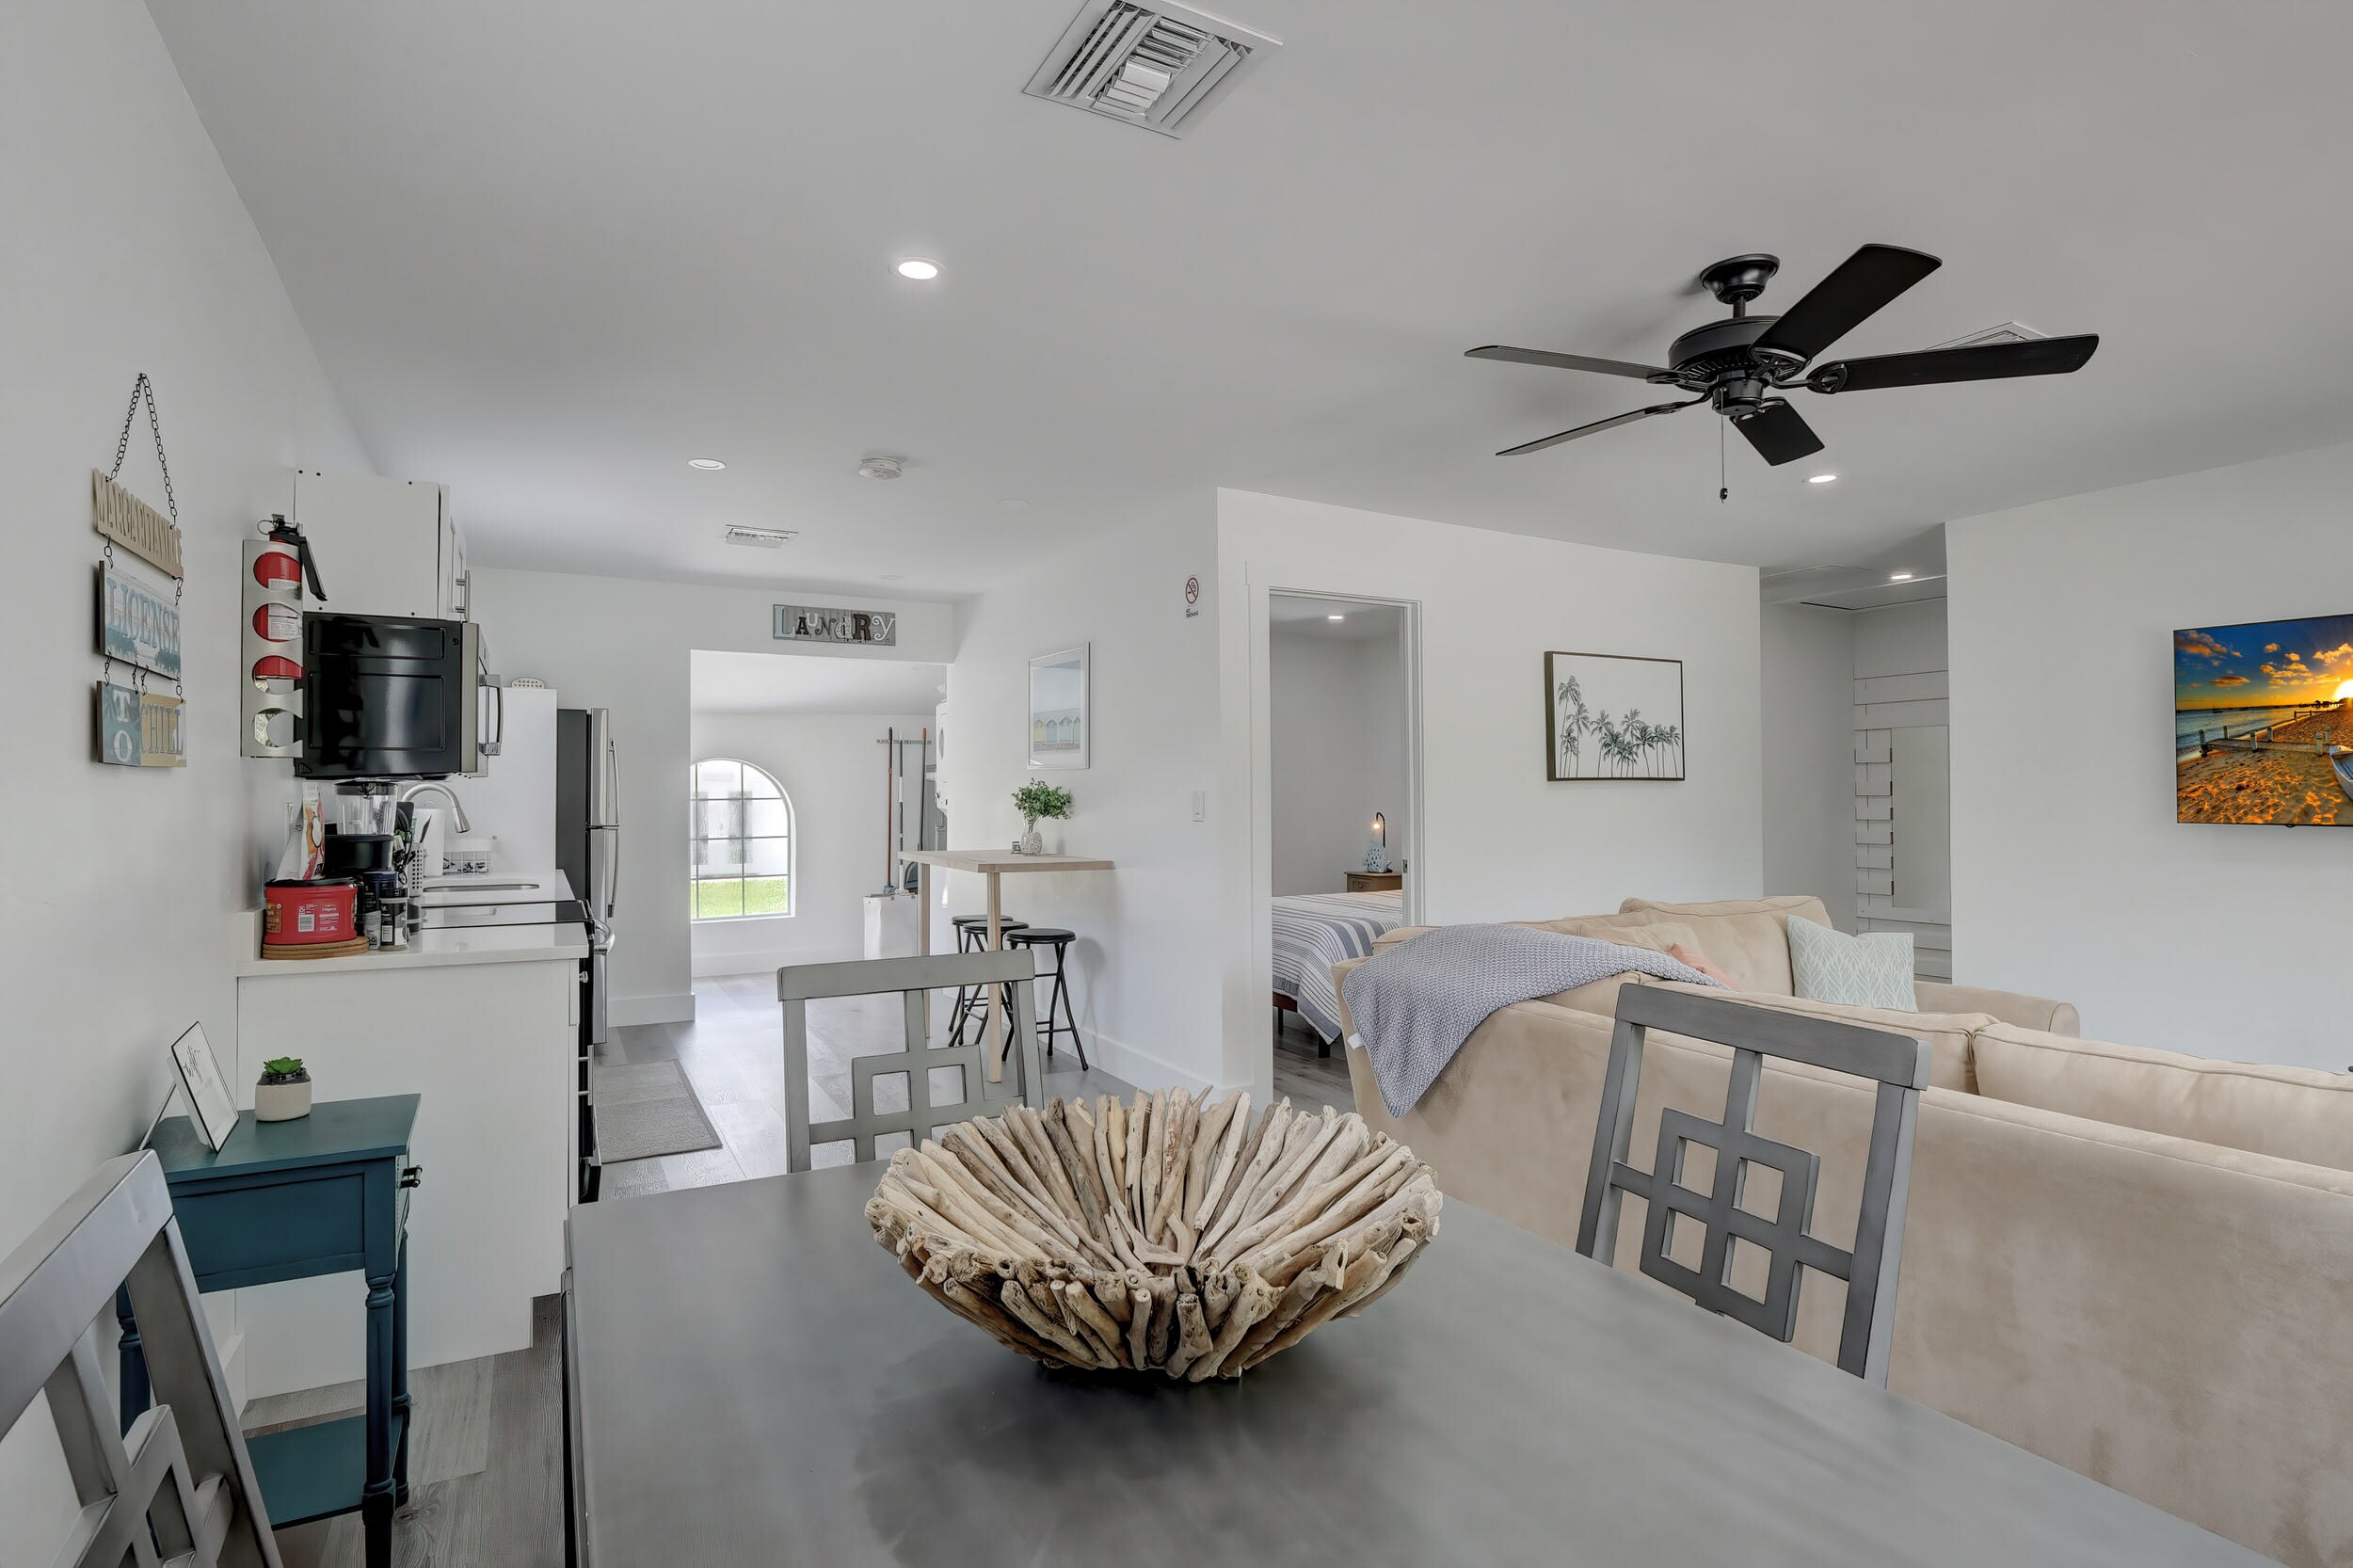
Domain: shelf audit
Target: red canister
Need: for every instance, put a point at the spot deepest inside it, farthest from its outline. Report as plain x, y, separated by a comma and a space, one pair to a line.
297, 912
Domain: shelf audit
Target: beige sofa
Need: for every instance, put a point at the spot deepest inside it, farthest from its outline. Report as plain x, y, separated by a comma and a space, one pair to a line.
2137, 1264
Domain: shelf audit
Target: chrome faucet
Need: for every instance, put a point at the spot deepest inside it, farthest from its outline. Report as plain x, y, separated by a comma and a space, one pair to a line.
408, 793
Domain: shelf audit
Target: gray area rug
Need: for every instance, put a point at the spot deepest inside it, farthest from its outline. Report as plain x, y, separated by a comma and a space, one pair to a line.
645, 1109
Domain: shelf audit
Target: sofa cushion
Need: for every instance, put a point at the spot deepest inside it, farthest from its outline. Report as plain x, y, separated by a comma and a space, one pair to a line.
1948, 1034
1747, 938
1870, 970
2289, 1113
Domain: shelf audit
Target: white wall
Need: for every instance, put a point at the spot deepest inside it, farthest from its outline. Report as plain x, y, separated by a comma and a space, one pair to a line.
606, 641
2071, 877
1339, 714
119, 887
1145, 968
1499, 841
1808, 673
830, 767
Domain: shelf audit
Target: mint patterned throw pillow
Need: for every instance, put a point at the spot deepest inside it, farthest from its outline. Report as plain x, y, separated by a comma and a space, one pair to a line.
1873, 970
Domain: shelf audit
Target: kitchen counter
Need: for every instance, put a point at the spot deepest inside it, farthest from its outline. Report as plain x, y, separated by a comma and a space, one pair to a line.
489, 944
436, 947
480, 1017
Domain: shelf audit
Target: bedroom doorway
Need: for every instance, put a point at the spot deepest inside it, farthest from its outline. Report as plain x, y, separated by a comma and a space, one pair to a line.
1342, 813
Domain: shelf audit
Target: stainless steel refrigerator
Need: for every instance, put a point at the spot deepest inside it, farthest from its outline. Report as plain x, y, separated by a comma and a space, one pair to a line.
588, 841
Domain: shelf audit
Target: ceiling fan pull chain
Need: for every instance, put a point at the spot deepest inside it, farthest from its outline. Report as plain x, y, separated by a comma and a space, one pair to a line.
1723, 485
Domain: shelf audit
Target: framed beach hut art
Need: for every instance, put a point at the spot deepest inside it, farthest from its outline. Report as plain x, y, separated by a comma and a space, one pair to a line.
1058, 708
1610, 716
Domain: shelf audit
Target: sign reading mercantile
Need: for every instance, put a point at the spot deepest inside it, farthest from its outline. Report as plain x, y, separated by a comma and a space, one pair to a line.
140, 729
814, 623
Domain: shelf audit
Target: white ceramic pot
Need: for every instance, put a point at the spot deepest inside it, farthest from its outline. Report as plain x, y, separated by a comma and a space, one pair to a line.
281, 1103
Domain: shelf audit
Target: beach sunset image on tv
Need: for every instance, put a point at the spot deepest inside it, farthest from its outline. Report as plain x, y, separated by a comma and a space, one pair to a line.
2262, 723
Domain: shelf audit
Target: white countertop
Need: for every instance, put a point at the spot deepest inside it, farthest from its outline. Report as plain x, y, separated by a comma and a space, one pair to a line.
443, 946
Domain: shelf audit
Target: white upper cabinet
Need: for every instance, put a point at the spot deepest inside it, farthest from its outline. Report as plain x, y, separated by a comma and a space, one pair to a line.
384, 547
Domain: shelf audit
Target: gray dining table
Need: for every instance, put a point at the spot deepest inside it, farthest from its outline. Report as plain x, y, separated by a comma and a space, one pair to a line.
754, 1380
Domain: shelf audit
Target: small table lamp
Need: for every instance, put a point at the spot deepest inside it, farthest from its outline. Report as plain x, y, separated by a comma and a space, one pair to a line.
1377, 847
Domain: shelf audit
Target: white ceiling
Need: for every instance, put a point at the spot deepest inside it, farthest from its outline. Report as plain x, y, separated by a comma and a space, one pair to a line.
810, 683
1302, 616
549, 249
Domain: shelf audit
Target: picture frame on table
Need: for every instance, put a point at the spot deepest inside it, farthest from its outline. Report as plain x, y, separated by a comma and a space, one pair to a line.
211, 1106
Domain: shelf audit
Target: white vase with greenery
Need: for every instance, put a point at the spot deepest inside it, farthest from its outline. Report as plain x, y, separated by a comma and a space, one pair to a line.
1035, 800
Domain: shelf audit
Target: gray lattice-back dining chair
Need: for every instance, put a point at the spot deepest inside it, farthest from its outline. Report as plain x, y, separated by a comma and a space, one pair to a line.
1898, 1064
178, 1486
915, 979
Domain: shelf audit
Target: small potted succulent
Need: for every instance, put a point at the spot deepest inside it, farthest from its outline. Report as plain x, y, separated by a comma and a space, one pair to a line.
284, 1091
1037, 799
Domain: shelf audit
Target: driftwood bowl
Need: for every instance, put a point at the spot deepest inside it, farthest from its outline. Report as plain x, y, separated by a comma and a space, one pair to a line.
1163, 1234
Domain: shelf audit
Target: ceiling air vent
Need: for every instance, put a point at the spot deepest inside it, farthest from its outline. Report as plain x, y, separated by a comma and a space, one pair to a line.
760, 538
1155, 66
2009, 332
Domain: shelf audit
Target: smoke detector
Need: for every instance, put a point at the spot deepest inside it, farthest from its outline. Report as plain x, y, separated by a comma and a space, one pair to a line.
760, 538
1157, 66
882, 468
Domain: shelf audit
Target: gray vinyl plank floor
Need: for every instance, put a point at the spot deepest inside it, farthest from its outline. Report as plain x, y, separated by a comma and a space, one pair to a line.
733, 1054
485, 1462
1310, 1079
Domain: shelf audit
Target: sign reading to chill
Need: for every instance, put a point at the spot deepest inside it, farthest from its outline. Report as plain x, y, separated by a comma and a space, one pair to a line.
814, 623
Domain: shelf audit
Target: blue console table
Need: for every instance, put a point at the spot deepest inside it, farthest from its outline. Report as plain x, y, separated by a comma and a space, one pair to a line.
324, 1194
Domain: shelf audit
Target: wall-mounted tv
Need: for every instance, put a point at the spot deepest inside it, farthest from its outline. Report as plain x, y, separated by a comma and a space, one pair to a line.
2262, 723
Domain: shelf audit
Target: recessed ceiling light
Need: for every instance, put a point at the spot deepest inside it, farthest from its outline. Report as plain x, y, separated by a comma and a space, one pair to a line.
1336, 618
1899, 577
918, 269
882, 468
1819, 478
708, 465
760, 538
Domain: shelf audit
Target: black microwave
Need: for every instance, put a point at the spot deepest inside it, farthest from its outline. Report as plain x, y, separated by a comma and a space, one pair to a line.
394, 697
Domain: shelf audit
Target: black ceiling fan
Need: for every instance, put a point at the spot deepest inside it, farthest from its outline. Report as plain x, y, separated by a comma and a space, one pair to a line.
1738, 364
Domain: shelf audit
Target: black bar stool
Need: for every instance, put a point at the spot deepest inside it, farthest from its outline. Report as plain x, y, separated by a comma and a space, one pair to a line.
972, 936
1058, 999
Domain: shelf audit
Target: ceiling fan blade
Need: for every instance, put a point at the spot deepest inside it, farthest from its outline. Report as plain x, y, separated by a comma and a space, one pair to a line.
1779, 433
1855, 289
1986, 362
1569, 361
1599, 425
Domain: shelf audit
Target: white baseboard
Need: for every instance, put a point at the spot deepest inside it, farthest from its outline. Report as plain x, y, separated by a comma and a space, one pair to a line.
679, 1009
1139, 1067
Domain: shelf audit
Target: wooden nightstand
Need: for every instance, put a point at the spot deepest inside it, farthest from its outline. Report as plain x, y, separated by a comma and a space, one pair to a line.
1375, 882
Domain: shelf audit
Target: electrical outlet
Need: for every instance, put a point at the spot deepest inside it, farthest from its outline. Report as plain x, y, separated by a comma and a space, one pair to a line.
1200, 804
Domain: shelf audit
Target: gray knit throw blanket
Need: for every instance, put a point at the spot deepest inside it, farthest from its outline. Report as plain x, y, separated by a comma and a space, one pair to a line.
1414, 1004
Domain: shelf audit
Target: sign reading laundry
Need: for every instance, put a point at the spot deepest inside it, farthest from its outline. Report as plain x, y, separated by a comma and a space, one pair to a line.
132, 523
812, 623
140, 729
137, 625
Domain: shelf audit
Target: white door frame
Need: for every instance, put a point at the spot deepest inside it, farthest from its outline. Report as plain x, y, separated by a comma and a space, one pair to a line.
1264, 581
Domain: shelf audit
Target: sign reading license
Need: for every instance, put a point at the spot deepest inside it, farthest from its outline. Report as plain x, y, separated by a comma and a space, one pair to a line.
140, 729
137, 625
812, 623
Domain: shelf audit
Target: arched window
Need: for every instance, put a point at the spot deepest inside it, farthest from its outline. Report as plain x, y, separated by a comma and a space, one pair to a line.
741, 861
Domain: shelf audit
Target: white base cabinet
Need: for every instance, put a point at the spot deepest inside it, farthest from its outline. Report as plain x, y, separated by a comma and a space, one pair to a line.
491, 1046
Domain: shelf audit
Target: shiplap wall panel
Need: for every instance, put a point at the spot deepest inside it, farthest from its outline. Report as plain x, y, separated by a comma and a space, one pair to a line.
1883, 704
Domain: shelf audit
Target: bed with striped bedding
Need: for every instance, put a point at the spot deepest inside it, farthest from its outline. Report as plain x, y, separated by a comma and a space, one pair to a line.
1315, 931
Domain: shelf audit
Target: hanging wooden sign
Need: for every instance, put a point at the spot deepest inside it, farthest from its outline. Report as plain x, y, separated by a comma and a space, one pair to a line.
140, 729
137, 625
135, 526
812, 623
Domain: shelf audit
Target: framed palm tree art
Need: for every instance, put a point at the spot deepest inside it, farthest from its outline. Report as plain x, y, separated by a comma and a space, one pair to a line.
1610, 716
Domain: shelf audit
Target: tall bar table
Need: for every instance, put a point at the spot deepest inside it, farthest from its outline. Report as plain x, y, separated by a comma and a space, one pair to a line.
994, 865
